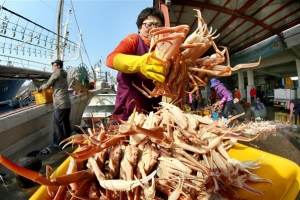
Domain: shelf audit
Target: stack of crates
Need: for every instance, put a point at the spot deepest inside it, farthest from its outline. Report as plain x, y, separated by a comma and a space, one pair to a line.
284, 117
293, 119
278, 116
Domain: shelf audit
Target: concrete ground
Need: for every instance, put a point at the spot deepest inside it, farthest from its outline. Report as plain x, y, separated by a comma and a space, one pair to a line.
10, 190
285, 143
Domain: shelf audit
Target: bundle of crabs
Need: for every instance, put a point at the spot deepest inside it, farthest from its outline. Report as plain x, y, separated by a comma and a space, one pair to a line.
167, 154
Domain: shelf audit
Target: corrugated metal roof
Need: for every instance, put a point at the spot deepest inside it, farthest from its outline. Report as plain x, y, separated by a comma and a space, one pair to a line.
241, 23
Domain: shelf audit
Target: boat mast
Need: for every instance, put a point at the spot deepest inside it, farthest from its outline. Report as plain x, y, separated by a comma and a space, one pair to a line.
58, 28
65, 34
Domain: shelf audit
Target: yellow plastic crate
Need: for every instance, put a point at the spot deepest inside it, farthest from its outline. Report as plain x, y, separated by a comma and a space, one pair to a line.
199, 112
284, 174
277, 116
45, 96
285, 117
205, 112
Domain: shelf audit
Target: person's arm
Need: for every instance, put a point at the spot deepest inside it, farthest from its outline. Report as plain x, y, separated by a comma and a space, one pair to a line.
291, 112
50, 82
123, 59
260, 106
224, 98
127, 46
232, 108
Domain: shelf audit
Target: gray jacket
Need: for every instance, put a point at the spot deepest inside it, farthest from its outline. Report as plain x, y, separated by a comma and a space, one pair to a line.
58, 82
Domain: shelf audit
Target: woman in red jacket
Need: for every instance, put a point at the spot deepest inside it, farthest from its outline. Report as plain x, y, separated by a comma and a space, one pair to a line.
237, 93
130, 58
252, 96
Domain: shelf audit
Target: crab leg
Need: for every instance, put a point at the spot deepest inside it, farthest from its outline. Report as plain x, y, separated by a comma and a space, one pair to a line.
149, 193
29, 174
177, 115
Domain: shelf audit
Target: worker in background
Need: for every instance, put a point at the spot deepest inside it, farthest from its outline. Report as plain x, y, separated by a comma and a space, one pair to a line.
237, 93
61, 102
259, 110
293, 106
199, 98
237, 108
225, 96
190, 100
195, 98
131, 59
252, 95
213, 95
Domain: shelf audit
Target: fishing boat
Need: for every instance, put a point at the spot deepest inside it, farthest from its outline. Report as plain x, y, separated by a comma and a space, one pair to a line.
101, 105
30, 128
9, 88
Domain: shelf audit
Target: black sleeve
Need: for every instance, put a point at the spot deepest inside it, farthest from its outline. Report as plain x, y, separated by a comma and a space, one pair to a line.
233, 107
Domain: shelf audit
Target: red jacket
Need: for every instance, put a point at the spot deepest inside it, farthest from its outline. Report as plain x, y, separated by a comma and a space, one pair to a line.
213, 94
252, 92
237, 94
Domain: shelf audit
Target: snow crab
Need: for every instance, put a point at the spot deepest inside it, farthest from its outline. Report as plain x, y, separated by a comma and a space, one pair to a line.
181, 156
182, 57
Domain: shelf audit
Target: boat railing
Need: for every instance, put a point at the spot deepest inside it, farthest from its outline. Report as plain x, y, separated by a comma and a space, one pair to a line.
10, 61
24, 38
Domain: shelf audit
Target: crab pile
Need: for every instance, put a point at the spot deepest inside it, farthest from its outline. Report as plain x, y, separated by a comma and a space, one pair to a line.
265, 127
185, 67
167, 154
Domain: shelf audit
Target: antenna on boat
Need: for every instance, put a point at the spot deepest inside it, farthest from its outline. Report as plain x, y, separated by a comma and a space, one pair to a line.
66, 33
58, 29
65, 38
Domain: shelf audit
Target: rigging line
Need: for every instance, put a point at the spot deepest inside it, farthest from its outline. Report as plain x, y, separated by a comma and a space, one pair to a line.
48, 5
3, 3
52, 9
27, 19
23, 41
81, 36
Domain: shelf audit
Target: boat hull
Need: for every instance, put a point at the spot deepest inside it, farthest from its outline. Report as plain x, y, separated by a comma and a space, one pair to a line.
9, 88
31, 128
100, 107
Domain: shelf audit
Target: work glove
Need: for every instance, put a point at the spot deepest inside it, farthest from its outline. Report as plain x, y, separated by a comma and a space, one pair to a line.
149, 67
39, 90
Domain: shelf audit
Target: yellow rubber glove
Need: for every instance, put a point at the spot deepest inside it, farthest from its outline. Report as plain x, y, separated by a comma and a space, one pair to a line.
149, 67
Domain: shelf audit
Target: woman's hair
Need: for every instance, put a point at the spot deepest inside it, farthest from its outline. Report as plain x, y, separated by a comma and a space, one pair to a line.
147, 12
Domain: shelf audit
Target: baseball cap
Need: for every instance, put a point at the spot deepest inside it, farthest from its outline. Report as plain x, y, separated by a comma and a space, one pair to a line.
58, 62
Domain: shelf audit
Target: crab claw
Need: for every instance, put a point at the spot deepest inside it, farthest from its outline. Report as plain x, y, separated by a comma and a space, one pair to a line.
74, 139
